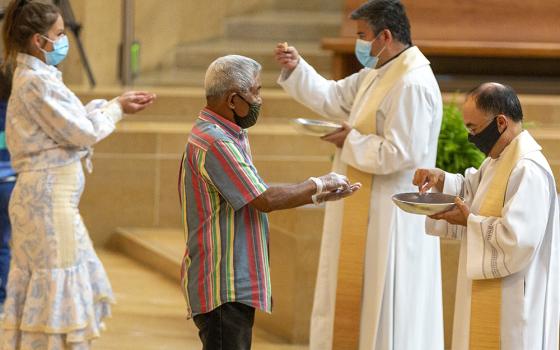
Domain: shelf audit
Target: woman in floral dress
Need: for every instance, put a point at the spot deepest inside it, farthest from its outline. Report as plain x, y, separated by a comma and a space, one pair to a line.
58, 293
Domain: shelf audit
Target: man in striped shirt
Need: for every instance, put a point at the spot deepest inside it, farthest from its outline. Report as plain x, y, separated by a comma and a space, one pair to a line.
225, 273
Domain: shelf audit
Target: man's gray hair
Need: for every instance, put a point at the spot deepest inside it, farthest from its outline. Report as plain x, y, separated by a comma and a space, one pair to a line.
231, 72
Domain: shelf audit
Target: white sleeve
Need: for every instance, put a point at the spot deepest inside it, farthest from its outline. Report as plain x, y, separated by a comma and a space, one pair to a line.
329, 98
455, 185
62, 116
407, 134
501, 246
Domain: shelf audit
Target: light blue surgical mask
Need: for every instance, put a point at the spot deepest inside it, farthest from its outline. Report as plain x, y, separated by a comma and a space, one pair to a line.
363, 53
59, 52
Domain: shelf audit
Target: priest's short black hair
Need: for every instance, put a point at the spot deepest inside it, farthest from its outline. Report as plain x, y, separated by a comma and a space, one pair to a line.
495, 99
385, 14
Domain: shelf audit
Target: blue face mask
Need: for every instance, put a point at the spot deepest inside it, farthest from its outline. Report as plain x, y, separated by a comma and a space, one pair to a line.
59, 52
363, 53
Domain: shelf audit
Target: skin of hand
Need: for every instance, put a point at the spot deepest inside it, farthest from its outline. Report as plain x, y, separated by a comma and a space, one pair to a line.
135, 101
287, 58
339, 136
425, 179
458, 215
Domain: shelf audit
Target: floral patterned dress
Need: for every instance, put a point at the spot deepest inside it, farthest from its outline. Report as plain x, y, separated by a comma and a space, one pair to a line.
58, 292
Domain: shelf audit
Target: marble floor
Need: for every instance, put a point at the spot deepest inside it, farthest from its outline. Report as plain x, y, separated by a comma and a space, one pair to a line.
150, 312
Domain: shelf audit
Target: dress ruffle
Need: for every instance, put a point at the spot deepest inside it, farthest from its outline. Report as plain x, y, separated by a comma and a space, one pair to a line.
56, 309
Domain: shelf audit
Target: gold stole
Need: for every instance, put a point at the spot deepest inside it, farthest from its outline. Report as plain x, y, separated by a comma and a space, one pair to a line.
356, 208
486, 296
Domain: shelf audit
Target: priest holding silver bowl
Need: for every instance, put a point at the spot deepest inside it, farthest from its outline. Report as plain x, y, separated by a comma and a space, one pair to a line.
508, 227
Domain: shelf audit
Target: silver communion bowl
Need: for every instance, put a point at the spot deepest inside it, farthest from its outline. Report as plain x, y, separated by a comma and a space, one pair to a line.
424, 204
315, 127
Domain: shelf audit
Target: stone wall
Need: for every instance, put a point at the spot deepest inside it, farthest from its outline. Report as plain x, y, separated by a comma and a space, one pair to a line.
159, 26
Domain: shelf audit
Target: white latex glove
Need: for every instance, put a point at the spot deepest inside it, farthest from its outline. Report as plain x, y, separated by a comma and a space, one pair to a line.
333, 181
337, 194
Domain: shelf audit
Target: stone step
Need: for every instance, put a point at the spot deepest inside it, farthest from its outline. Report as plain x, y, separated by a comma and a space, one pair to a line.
150, 309
160, 249
150, 312
182, 104
291, 169
284, 25
276, 141
293, 261
522, 84
539, 111
192, 77
271, 143
308, 5
549, 139
200, 55
306, 219
139, 164
293, 265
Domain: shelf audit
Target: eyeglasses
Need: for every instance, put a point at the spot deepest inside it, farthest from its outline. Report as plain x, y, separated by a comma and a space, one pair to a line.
473, 130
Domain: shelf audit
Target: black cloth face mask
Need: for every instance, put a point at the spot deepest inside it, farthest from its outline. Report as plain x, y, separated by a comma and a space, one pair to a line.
251, 118
487, 138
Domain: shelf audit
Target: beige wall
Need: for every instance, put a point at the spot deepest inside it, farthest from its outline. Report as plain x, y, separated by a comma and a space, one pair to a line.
159, 28
237, 7
100, 35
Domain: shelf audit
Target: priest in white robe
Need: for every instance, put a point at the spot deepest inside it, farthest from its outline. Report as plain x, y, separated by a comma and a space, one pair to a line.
397, 95
520, 245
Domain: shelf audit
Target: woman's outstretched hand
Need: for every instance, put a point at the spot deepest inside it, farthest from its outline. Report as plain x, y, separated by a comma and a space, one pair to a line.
135, 101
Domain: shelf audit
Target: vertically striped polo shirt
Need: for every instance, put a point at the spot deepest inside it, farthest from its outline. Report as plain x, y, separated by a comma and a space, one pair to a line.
226, 257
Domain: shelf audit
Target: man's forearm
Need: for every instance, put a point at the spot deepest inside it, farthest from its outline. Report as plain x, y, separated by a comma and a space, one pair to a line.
285, 197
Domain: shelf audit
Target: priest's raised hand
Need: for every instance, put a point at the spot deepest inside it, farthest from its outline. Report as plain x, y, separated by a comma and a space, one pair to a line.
286, 56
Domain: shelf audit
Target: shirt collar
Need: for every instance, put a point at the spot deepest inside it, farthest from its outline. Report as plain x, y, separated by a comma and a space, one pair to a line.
34, 63
229, 126
384, 68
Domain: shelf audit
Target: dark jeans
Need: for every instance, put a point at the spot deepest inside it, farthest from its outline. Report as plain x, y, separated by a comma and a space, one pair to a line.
5, 236
228, 327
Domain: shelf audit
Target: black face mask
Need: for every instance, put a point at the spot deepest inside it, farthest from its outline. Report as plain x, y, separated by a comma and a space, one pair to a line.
487, 138
251, 118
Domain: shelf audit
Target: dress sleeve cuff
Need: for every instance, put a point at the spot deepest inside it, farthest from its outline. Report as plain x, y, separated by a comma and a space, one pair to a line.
114, 110
451, 185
